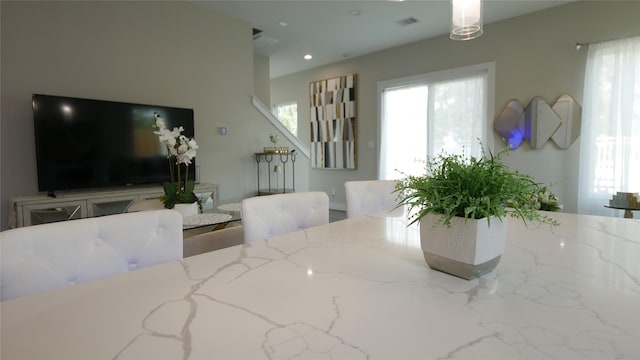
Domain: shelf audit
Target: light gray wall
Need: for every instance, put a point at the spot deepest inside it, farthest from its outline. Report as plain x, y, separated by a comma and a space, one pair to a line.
535, 55
261, 79
167, 53
176, 54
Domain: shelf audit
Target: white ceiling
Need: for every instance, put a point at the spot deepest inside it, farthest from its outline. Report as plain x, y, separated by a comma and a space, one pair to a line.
335, 30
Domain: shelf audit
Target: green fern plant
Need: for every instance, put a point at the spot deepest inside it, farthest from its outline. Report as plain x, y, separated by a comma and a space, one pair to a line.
472, 188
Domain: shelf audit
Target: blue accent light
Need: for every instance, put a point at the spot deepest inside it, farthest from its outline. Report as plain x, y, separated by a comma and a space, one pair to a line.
510, 124
514, 138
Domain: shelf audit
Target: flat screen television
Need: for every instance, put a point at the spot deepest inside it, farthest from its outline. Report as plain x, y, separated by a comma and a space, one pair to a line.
85, 144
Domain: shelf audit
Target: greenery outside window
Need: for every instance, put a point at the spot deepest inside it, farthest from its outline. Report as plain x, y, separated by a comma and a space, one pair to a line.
444, 112
287, 114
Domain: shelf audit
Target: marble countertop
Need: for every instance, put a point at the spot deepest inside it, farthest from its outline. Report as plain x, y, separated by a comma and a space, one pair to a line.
353, 289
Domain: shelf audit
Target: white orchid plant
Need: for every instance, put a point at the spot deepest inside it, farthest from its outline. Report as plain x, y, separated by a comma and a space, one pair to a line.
545, 200
180, 152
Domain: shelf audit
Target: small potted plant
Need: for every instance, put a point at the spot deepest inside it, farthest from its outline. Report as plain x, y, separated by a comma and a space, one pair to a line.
460, 203
179, 192
547, 201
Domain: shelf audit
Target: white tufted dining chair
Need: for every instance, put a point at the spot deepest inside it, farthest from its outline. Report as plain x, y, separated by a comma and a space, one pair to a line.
369, 196
49, 256
270, 215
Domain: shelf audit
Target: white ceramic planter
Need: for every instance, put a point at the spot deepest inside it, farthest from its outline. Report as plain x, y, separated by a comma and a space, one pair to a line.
466, 250
187, 209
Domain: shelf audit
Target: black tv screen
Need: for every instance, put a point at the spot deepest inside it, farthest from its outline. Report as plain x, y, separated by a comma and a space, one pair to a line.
84, 143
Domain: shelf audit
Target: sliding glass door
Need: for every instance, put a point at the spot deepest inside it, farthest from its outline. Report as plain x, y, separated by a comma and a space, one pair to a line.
423, 116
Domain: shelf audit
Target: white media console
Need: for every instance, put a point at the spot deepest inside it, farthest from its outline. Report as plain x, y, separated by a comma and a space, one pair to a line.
40, 209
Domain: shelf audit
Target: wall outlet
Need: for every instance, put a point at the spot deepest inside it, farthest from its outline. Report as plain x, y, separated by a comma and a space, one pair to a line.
333, 192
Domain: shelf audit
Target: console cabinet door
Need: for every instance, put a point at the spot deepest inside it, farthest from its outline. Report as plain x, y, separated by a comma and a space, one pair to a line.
47, 213
151, 196
109, 206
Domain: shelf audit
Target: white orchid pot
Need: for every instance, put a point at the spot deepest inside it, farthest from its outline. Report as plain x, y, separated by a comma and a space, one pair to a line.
187, 209
466, 249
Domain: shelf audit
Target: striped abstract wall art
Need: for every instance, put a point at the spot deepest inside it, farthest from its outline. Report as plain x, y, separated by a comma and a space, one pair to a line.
333, 122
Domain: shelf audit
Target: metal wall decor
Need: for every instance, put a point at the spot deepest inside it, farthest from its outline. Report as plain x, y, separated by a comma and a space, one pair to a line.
539, 122
332, 114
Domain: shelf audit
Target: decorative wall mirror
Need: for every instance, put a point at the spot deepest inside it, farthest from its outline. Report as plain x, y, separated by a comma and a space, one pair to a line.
510, 124
571, 114
540, 122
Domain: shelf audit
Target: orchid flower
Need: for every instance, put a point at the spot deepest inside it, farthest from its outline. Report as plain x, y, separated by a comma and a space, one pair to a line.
180, 150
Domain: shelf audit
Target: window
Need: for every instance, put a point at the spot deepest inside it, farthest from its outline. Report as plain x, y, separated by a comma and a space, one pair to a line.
425, 115
610, 139
287, 114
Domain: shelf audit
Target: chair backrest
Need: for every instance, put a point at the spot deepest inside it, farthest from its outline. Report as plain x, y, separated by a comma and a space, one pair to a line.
49, 256
270, 215
369, 196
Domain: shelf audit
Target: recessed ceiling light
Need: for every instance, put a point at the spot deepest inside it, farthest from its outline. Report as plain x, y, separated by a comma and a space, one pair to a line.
282, 23
308, 57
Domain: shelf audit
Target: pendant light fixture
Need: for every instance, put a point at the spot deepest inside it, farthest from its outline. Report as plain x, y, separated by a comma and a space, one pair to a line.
466, 19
